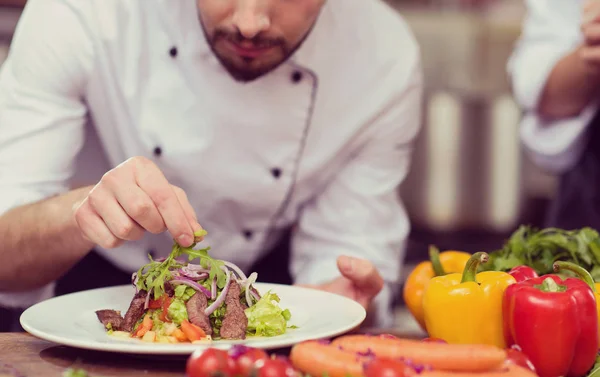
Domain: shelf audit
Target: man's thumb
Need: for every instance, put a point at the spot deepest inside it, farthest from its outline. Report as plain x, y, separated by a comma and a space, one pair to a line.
362, 273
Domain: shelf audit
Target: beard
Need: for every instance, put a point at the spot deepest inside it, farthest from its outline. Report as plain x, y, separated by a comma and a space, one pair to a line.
246, 69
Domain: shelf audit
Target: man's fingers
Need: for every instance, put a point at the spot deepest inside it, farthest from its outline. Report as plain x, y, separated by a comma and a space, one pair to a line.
93, 227
363, 275
141, 208
151, 180
114, 216
591, 33
187, 209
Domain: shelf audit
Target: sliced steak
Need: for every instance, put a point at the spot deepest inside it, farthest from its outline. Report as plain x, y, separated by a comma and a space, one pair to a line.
195, 308
135, 311
169, 290
235, 322
110, 317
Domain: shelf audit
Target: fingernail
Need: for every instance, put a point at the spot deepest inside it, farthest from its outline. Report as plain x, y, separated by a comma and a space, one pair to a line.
347, 264
184, 240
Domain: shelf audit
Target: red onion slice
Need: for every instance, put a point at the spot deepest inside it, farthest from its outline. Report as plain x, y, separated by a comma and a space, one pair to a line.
192, 274
251, 279
221, 297
197, 268
192, 284
237, 270
147, 300
213, 289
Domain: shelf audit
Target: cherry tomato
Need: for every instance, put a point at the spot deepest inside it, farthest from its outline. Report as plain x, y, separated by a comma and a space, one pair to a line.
514, 355
382, 367
211, 362
245, 362
276, 367
434, 340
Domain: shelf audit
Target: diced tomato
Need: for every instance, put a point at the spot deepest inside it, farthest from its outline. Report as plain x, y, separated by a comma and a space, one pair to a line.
166, 302
144, 327
191, 331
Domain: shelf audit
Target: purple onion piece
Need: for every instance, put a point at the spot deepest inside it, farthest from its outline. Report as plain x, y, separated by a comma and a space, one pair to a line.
251, 279
369, 352
237, 270
238, 350
208, 311
192, 274
324, 342
213, 289
197, 268
191, 283
147, 300
255, 293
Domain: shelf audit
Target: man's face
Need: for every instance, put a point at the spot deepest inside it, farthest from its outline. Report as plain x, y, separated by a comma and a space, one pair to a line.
252, 37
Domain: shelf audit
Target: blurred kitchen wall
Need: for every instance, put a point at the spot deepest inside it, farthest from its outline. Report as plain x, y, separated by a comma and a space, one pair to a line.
470, 184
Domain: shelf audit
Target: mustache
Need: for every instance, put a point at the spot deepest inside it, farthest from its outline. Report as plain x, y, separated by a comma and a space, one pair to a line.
259, 40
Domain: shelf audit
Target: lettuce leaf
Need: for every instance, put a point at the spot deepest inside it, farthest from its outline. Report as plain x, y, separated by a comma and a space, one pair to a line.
266, 317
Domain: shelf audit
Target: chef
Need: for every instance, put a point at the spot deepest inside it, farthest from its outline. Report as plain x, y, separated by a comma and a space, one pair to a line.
269, 123
555, 72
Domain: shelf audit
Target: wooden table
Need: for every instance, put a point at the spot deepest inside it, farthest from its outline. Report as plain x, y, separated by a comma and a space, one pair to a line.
26, 356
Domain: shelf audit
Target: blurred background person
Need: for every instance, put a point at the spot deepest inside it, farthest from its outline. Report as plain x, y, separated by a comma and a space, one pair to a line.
555, 73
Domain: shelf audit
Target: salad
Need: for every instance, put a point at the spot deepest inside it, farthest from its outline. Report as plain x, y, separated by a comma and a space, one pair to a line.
179, 301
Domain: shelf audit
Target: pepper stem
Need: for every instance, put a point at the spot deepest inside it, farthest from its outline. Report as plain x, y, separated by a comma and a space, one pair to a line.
581, 272
470, 271
434, 256
551, 286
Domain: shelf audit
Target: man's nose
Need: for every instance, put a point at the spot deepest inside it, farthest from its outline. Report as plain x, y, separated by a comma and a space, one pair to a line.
251, 17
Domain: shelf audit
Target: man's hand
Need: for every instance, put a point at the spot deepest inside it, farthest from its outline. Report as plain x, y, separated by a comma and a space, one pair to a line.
590, 28
131, 199
360, 281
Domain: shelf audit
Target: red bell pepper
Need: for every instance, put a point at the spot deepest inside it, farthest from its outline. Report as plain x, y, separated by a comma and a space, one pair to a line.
521, 273
554, 322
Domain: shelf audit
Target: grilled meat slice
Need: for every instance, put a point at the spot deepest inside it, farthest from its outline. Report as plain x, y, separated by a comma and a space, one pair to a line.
235, 322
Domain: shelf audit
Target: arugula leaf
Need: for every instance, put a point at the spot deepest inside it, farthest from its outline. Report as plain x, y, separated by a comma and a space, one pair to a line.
152, 276
540, 248
207, 262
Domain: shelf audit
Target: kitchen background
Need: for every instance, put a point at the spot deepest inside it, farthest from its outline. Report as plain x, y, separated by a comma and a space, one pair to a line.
471, 184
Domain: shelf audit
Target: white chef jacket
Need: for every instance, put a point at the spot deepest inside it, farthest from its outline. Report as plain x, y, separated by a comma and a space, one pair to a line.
337, 121
551, 30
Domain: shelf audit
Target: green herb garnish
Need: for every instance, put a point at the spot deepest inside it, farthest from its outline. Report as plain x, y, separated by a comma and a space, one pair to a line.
152, 276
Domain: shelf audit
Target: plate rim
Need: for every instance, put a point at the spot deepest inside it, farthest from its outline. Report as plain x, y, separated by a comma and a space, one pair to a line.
134, 348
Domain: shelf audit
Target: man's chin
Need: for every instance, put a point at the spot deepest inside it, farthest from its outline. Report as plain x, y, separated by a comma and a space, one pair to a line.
247, 75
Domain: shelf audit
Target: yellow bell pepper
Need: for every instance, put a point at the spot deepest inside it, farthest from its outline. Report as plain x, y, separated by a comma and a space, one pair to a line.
439, 264
467, 308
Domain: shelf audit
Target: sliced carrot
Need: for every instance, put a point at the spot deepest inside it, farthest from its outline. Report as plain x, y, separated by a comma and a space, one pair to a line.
510, 371
317, 359
144, 327
180, 336
444, 357
191, 331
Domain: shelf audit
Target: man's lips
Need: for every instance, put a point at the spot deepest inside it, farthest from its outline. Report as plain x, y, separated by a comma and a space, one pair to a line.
248, 50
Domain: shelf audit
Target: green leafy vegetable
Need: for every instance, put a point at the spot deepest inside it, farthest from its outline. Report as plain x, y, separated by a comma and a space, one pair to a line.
152, 276
595, 371
178, 311
184, 292
540, 248
70, 372
266, 318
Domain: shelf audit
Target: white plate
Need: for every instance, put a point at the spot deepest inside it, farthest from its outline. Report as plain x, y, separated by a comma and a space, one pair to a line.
71, 320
